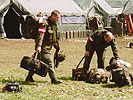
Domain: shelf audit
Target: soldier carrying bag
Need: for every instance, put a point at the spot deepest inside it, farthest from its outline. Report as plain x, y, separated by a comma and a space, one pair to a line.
34, 65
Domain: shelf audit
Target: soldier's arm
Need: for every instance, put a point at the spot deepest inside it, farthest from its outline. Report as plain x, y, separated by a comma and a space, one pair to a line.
115, 49
89, 43
40, 35
56, 45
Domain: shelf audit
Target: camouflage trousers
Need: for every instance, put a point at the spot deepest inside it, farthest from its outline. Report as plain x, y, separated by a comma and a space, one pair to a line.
47, 58
100, 56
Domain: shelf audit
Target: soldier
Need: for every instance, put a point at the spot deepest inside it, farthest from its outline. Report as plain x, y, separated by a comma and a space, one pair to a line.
98, 42
46, 38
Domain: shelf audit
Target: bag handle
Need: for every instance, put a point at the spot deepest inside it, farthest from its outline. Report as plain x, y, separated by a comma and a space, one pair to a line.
80, 62
36, 54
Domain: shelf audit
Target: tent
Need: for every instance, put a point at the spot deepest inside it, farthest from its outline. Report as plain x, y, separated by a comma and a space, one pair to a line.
92, 7
116, 3
128, 8
9, 24
72, 16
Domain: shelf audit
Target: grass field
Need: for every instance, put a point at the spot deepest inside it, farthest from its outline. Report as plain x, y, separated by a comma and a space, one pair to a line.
12, 51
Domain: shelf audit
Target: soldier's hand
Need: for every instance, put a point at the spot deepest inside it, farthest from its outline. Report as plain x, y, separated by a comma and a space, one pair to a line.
87, 53
38, 49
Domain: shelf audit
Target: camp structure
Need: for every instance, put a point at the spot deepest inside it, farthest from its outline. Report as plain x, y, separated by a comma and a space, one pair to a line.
72, 16
9, 24
128, 8
117, 5
128, 11
100, 7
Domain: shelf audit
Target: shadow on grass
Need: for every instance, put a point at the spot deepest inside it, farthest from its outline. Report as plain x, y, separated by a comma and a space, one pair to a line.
21, 82
111, 86
66, 78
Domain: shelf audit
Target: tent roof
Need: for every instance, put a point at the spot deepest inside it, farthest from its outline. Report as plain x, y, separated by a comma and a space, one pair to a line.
4, 4
128, 9
66, 7
116, 3
105, 6
87, 5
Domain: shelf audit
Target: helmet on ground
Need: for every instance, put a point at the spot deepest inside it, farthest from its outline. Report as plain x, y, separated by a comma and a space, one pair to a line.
61, 56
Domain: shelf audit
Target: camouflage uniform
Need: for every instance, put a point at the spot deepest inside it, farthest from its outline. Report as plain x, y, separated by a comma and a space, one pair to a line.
97, 43
45, 39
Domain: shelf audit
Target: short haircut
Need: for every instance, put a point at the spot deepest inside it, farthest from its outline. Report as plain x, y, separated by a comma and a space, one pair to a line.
55, 13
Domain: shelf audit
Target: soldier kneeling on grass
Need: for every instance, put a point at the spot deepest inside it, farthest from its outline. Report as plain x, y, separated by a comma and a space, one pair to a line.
120, 75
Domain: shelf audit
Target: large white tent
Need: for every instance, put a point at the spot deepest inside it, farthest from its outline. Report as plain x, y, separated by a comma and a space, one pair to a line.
72, 16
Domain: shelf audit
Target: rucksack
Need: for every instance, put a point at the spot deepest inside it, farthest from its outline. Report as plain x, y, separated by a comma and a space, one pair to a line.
121, 76
98, 76
95, 22
30, 25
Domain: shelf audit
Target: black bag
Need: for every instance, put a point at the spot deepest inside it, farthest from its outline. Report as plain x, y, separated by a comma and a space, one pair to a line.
79, 74
121, 76
12, 87
34, 65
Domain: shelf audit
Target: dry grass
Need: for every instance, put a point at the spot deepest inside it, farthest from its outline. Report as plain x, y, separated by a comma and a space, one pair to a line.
12, 51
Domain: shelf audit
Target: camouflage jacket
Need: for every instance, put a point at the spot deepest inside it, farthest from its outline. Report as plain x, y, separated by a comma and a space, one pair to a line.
45, 35
97, 42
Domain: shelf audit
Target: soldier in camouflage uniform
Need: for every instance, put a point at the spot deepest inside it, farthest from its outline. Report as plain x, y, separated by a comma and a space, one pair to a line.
100, 39
46, 38
98, 42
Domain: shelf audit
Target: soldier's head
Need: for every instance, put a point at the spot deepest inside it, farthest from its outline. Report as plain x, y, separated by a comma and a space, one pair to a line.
108, 36
55, 15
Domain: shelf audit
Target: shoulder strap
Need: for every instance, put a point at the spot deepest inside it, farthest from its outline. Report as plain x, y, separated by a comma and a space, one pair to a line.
80, 62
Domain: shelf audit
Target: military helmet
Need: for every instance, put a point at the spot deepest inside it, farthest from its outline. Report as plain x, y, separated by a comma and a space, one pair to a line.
61, 56
113, 61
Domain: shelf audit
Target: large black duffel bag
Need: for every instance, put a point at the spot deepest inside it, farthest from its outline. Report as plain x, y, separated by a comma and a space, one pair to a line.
35, 65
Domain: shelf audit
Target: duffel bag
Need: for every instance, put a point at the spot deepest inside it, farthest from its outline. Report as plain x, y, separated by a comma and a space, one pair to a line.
35, 65
79, 74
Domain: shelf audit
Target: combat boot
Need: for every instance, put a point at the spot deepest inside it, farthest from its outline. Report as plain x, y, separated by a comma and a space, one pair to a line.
29, 77
55, 81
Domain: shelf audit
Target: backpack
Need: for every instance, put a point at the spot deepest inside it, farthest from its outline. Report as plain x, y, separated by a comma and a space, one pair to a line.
98, 76
121, 76
30, 25
95, 22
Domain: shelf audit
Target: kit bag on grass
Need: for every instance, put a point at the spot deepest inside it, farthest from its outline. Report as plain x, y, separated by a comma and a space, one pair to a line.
121, 77
79, 74
35, 65
98, 76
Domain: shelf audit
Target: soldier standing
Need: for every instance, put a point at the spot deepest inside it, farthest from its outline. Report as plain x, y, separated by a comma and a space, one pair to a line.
98, 42
46, 38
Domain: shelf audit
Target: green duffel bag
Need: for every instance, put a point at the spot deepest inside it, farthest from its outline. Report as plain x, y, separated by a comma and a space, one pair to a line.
79, 74
34, 65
